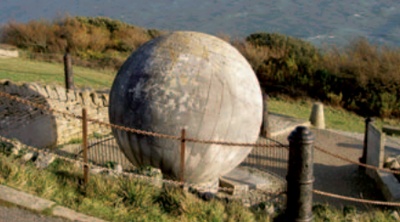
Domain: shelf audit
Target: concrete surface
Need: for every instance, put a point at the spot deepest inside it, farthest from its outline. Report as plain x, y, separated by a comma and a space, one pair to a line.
242, 180
33, 203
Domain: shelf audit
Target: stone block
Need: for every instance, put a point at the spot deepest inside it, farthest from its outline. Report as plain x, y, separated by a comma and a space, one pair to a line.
317, 117
51, 92
62, 93
243, 180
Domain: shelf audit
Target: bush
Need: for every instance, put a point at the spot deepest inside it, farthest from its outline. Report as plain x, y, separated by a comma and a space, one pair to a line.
368, 77
91, 39
283, 64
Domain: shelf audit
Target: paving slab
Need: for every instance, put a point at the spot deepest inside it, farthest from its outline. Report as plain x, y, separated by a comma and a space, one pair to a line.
24, 199
73, 215
38, 204
242, 180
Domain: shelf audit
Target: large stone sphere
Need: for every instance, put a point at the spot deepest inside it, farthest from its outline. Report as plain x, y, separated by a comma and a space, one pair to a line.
187, 80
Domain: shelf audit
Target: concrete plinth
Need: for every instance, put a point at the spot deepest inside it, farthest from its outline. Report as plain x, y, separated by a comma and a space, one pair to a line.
243, 180
317, 117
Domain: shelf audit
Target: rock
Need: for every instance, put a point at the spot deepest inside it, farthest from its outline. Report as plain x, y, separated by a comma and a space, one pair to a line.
29, 156
118, 169
270, 209
44, 160
96, 170
395, 165
395, 215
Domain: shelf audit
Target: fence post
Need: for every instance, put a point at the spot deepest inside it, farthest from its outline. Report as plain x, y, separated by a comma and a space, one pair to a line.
300, 176
68, 73
85, 147
363, 158
183, 147
265, 124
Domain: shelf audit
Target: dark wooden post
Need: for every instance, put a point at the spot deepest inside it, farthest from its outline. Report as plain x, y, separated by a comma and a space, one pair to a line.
300, 176
85, 147
363, 158
265, 124
183, 147
69, 75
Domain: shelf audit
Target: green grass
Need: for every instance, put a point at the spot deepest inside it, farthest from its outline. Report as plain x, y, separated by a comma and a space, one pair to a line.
117, 198
124, 199
335, 117
24, 70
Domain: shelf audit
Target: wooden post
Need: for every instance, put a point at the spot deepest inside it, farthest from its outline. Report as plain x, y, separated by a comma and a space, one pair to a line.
265, 123
183, 146
69, 75
85, 147
300, 176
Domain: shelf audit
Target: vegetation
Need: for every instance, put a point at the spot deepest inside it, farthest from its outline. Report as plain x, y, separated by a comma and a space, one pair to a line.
118, 198
95, 42
335, 117
24, 70
360, 77
125, 199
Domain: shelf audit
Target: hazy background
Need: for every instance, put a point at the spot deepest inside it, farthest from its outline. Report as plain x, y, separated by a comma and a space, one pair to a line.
319, 21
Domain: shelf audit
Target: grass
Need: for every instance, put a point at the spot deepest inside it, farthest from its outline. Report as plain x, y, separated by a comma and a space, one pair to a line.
24, 70
117, 198
125, 199
335, 117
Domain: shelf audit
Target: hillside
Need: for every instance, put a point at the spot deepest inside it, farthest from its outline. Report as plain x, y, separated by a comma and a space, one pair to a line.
361, 77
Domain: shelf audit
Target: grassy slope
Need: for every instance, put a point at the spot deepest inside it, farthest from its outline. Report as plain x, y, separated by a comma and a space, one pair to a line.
23, 70
335, 117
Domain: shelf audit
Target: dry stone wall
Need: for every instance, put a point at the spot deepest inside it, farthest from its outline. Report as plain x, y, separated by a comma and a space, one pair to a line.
35, 127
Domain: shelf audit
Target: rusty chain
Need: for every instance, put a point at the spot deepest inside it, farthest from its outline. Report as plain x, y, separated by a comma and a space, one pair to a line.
176, 183
137, 131
384, 203
179, 184
355, 162
131, 175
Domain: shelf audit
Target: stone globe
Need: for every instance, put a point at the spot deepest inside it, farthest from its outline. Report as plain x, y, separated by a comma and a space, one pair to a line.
192, 81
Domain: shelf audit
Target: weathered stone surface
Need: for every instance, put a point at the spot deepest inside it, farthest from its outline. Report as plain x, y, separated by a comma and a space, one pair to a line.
36, 127
317, 117
187, 80
23, 199
44, 160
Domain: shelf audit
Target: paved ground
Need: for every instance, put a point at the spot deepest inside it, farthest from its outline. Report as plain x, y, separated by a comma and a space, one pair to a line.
14, 214
332, 174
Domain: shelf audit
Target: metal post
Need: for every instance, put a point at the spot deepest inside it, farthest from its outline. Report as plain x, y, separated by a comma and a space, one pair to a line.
363, 158
183, 146
85, 147
265, 124
69, 75
300, 176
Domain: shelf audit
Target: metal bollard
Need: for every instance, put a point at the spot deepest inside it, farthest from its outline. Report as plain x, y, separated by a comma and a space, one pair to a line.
300, 176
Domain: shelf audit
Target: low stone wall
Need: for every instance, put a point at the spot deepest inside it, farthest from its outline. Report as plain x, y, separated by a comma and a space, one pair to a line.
8, 53
34, 127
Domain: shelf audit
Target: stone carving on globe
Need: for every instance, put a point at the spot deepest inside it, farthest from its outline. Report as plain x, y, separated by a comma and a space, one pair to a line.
187, 80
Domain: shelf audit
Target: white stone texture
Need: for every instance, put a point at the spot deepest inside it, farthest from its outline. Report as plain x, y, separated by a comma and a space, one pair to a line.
187, 80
